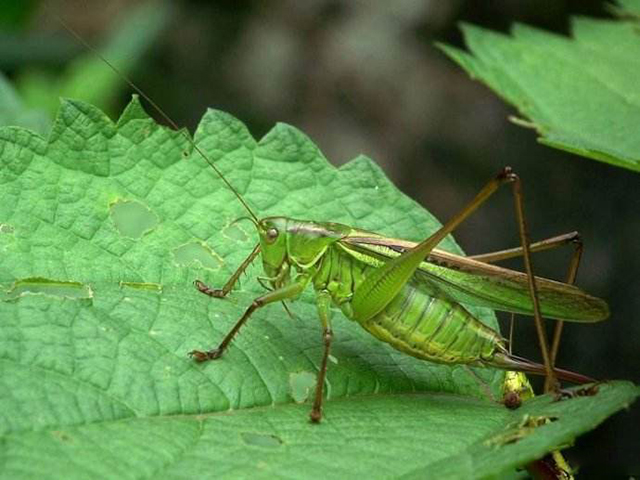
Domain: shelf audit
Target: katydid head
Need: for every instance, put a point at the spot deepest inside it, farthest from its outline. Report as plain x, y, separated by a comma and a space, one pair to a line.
273, 245
286, 242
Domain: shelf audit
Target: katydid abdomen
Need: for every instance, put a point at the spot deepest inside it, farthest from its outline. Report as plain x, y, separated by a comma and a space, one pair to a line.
433, 329
414, 322
441, 331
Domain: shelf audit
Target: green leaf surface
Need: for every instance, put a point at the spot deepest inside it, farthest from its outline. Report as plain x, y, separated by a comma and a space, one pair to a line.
581, 94
104, 227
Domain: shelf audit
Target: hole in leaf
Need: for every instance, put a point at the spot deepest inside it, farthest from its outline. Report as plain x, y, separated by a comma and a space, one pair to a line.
6, 228
132, 219
301, 384
525, 427
155, 287
235, 232
62, 436
261, 440
194, 252
45, 286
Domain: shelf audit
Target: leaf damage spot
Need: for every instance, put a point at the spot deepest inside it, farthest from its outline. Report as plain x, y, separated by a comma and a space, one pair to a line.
583, 391
46, 286
6, 228
525, 427
196, 253
301, 385
235, 232
62, 436
152, 287
261, 440
132, 219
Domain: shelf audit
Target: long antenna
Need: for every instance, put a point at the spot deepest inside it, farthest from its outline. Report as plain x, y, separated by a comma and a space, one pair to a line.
158, 109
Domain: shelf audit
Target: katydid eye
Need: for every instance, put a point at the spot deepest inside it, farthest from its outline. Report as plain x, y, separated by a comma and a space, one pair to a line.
272, 234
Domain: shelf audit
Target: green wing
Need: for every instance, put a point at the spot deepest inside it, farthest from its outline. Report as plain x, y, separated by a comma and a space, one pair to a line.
476, 283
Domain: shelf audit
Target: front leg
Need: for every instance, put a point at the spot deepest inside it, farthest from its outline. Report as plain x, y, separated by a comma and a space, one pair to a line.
285, 293
222, 292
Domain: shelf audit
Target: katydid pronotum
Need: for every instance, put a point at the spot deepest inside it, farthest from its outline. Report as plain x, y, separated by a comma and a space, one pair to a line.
410, 295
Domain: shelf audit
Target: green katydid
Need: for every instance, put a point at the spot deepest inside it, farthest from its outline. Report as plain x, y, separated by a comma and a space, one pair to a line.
407, 294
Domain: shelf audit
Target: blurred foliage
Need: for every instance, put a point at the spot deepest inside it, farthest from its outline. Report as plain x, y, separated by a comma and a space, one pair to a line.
14, 112
86, 77
14, 14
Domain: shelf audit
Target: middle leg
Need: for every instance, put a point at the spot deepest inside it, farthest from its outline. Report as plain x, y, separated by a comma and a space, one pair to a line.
324, 312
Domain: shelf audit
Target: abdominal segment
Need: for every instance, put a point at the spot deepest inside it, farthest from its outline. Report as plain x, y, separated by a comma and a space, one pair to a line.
433, 329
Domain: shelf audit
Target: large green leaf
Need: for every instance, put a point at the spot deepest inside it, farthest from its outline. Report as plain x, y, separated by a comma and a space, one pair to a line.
581, 94
103, 229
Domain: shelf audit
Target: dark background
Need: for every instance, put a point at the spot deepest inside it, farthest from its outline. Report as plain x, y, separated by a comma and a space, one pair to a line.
364, 77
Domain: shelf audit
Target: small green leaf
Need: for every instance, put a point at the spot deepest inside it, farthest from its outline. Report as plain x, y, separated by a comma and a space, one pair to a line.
580, 93
103, 387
